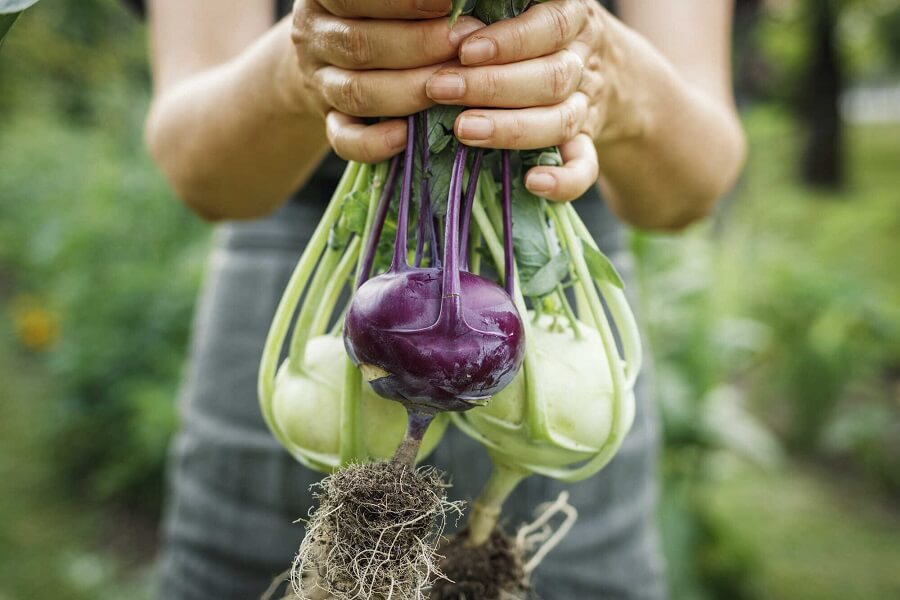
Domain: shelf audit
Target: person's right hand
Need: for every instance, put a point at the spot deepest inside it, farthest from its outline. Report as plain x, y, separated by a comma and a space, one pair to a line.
365, 58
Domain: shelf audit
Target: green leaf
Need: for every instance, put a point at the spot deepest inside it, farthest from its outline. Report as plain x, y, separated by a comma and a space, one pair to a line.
6, 21
491, 11
440, 126
600, 266
542, 157
354, 210
531, 240
545, 280
439, 171
460, 7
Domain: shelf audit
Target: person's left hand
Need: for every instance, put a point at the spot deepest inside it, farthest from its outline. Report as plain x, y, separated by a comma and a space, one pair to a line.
555, 64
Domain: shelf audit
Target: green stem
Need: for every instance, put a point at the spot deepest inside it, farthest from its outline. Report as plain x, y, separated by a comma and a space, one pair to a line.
335, 286
281, 322
617, 431
311, 304
489, 503
567, 309
352, 441
536, 409
621, 313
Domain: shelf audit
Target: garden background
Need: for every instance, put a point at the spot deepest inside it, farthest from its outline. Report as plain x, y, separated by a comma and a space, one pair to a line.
774, 326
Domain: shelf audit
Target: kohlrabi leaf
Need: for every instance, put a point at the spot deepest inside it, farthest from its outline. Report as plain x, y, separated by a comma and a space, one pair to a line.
352, 220
548, 277
531, 240
439, 171
460, 7
491, 11
9, 12
600, 266
542, 157
440, 126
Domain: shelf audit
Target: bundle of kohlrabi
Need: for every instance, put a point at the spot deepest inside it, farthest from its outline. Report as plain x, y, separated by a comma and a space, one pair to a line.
427, 326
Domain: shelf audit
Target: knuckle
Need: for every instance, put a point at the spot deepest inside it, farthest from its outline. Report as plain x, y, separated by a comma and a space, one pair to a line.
568, 121
351, 97
559, 79
558, 20
517, 132
490, 84
357, 46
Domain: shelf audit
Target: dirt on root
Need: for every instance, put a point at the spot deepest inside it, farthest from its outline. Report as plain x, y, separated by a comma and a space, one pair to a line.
492, 571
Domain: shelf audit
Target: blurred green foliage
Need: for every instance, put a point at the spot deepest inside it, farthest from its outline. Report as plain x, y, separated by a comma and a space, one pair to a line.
90, 236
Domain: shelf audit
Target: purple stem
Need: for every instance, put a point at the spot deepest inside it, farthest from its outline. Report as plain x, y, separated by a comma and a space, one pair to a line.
401, 247
435, 241
507, 225
378, 223
424, 196
467, 208
451, 302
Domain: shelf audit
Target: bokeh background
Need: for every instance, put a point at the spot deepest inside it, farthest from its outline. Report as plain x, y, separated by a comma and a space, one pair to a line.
774, 326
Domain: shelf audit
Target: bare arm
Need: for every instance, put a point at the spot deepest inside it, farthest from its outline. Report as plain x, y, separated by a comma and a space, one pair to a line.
691, 148
225, 125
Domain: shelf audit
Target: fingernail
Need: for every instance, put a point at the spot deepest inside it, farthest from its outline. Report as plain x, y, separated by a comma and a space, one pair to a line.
540, 182
465, 27
475, 128
446, 87
478, 51
433, 5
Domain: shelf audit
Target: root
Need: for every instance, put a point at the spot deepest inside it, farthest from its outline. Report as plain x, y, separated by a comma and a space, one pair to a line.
501, 568
373, 535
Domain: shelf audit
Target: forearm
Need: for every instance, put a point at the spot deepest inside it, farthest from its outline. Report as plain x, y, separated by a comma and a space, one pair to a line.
681, 149
236, 140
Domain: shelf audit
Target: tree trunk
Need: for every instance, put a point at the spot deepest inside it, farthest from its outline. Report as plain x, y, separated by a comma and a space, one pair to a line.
823, 156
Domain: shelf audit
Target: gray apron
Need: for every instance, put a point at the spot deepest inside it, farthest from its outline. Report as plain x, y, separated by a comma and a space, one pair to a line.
234, 494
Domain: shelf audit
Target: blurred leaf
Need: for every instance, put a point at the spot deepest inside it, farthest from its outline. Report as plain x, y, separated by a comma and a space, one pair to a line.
600, 266
547, 278
460, 7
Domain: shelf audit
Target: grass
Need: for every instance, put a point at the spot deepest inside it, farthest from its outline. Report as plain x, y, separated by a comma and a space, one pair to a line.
816, 535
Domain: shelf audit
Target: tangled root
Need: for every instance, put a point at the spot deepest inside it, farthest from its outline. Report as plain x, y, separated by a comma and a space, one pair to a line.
374, 534
500, 569
493, 571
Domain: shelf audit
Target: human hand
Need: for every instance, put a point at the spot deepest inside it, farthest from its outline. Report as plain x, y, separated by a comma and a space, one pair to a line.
360, 58
557, 66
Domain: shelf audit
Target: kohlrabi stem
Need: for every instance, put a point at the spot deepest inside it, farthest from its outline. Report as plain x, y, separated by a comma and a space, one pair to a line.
473, 259
311, 303
335, 286
313, 298
373, 232
426, 222
451, 302
507, 223
281, 322
487, 506
352, 444
567, 310
474, 173
535, 405
416, 425
614, 363
401, 244
618, 307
